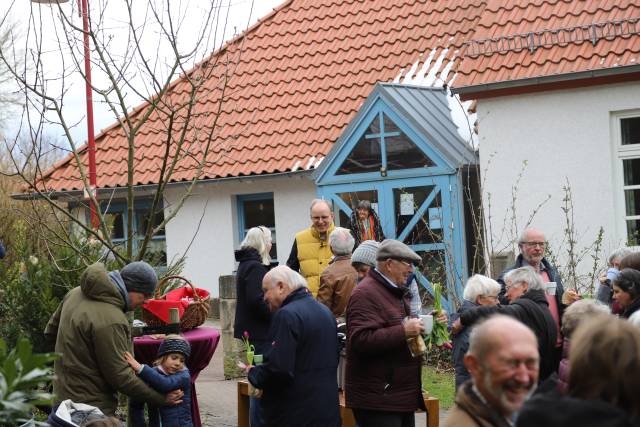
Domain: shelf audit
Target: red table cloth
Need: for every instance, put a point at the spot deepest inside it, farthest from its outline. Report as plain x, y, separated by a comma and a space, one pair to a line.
203, 342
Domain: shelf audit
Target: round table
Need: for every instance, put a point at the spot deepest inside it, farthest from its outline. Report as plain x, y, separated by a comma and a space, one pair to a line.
203, 341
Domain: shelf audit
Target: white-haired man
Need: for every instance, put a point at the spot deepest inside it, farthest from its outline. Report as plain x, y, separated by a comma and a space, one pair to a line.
503, 362
310, 253
528, 304
479, 291
339, 278
298, 376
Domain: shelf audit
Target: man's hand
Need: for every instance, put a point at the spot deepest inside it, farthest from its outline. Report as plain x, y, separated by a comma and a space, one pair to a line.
132, 361
246, 368
441, 316
413, 327
603, 278
457, 327
173, 397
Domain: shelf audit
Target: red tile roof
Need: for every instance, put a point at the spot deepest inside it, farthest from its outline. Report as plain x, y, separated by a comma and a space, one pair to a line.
297, 77
561, 33
303, 73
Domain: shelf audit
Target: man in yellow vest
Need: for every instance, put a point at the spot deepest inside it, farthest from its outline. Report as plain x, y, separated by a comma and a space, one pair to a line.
311, 252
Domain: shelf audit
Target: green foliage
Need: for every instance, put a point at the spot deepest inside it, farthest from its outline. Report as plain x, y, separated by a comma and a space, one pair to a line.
34, 283
23, 376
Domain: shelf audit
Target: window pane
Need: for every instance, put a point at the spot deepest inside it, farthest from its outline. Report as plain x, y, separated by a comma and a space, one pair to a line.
115, 222
633, 230
631, 170
433, 268
630, 129
143, 221
428, 229
156, 253
632, 202
366, 155
259, 212
402, 153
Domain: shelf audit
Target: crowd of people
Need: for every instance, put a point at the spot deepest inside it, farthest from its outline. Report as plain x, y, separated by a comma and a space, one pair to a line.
526, 351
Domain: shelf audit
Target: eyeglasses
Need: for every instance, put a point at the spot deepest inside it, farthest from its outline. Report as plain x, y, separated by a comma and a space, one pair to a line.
511, 286
405, 263
535, 244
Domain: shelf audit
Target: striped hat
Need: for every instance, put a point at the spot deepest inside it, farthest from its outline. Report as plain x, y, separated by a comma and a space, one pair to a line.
174, 344
365, 253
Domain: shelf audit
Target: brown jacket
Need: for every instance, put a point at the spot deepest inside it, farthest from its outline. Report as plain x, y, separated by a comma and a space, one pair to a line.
336, 283
470, 411
380, 373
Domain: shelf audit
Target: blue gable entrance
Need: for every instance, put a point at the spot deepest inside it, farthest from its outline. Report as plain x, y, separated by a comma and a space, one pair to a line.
403, 154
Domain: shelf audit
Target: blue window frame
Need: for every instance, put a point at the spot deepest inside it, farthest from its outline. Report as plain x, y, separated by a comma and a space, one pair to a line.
116, 215
254, 210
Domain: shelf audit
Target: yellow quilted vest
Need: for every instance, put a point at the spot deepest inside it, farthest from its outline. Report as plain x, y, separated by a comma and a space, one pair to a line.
314, 255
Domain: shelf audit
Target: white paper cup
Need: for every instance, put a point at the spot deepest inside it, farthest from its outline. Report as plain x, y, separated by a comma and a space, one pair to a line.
550, 288
427, 322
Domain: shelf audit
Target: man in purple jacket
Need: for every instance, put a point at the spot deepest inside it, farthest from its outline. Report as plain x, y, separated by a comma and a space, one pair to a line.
383, 385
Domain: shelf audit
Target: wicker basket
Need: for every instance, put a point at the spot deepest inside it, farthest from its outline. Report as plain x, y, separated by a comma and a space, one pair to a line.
194, 315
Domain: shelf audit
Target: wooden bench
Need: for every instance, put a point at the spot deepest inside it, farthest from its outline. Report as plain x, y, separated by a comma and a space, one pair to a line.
432, 404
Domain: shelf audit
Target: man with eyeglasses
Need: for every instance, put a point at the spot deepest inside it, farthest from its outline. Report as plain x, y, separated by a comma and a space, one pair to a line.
311, 252
532, 244
382, 384
503, 363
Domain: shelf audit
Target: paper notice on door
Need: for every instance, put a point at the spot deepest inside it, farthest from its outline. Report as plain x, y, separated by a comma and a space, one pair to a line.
406, 204
435, 221
374, 206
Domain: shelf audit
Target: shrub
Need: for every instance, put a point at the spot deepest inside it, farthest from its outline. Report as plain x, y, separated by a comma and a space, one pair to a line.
23, 376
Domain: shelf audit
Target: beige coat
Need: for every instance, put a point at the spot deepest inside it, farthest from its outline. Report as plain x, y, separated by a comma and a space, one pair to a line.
470, 411
336, 284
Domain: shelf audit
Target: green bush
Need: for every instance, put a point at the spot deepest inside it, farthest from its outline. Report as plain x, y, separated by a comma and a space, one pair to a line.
35, 281
23, 377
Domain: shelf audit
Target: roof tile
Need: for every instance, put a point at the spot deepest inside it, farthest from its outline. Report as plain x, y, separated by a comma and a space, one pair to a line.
502, 20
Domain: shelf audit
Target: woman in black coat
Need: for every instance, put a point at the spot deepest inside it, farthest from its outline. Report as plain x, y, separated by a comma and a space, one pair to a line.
252, 313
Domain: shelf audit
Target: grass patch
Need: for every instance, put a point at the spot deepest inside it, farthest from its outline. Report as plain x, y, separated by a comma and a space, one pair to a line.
440, 384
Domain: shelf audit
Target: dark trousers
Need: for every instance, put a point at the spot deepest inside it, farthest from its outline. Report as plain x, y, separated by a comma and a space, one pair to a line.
369, 418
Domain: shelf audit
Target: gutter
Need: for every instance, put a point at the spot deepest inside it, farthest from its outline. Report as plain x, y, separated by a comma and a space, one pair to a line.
111, 191
542, 80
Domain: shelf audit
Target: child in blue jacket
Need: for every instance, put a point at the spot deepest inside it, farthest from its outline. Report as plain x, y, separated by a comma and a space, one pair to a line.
168, 373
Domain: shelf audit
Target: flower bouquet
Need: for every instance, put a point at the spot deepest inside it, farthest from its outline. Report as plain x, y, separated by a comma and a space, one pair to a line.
439, 334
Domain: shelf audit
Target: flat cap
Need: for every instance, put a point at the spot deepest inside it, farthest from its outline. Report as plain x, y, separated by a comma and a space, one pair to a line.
395, 249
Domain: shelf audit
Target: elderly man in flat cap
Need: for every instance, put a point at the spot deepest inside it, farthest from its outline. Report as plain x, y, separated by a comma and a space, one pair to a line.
383, 385
91, 332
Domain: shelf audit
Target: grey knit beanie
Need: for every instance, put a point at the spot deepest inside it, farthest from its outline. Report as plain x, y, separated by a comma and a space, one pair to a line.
365, 253
174, 344
139, 277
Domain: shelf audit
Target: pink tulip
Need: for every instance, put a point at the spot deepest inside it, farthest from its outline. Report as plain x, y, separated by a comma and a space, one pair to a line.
245, 334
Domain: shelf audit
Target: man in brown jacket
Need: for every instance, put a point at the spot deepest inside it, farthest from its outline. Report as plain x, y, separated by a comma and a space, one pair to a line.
503, 363
339, 278
383, 385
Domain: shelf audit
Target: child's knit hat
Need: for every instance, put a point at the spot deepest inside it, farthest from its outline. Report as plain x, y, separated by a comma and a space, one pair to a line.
174, 344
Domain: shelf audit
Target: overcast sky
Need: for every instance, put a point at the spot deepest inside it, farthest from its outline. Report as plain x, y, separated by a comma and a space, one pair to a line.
190, 13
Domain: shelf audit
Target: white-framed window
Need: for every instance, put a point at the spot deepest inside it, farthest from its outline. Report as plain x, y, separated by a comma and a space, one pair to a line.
626, 134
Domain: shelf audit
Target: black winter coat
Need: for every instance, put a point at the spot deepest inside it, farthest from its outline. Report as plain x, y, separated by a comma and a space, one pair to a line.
553, 410
299, 375
252, 313
461, 345
532, 309
554, 276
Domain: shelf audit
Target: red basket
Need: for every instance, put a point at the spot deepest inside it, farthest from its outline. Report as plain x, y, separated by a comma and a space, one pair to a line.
192, 304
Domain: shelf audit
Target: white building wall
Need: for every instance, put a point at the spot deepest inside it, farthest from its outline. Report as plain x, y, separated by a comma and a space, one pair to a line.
564, 136
209, 248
